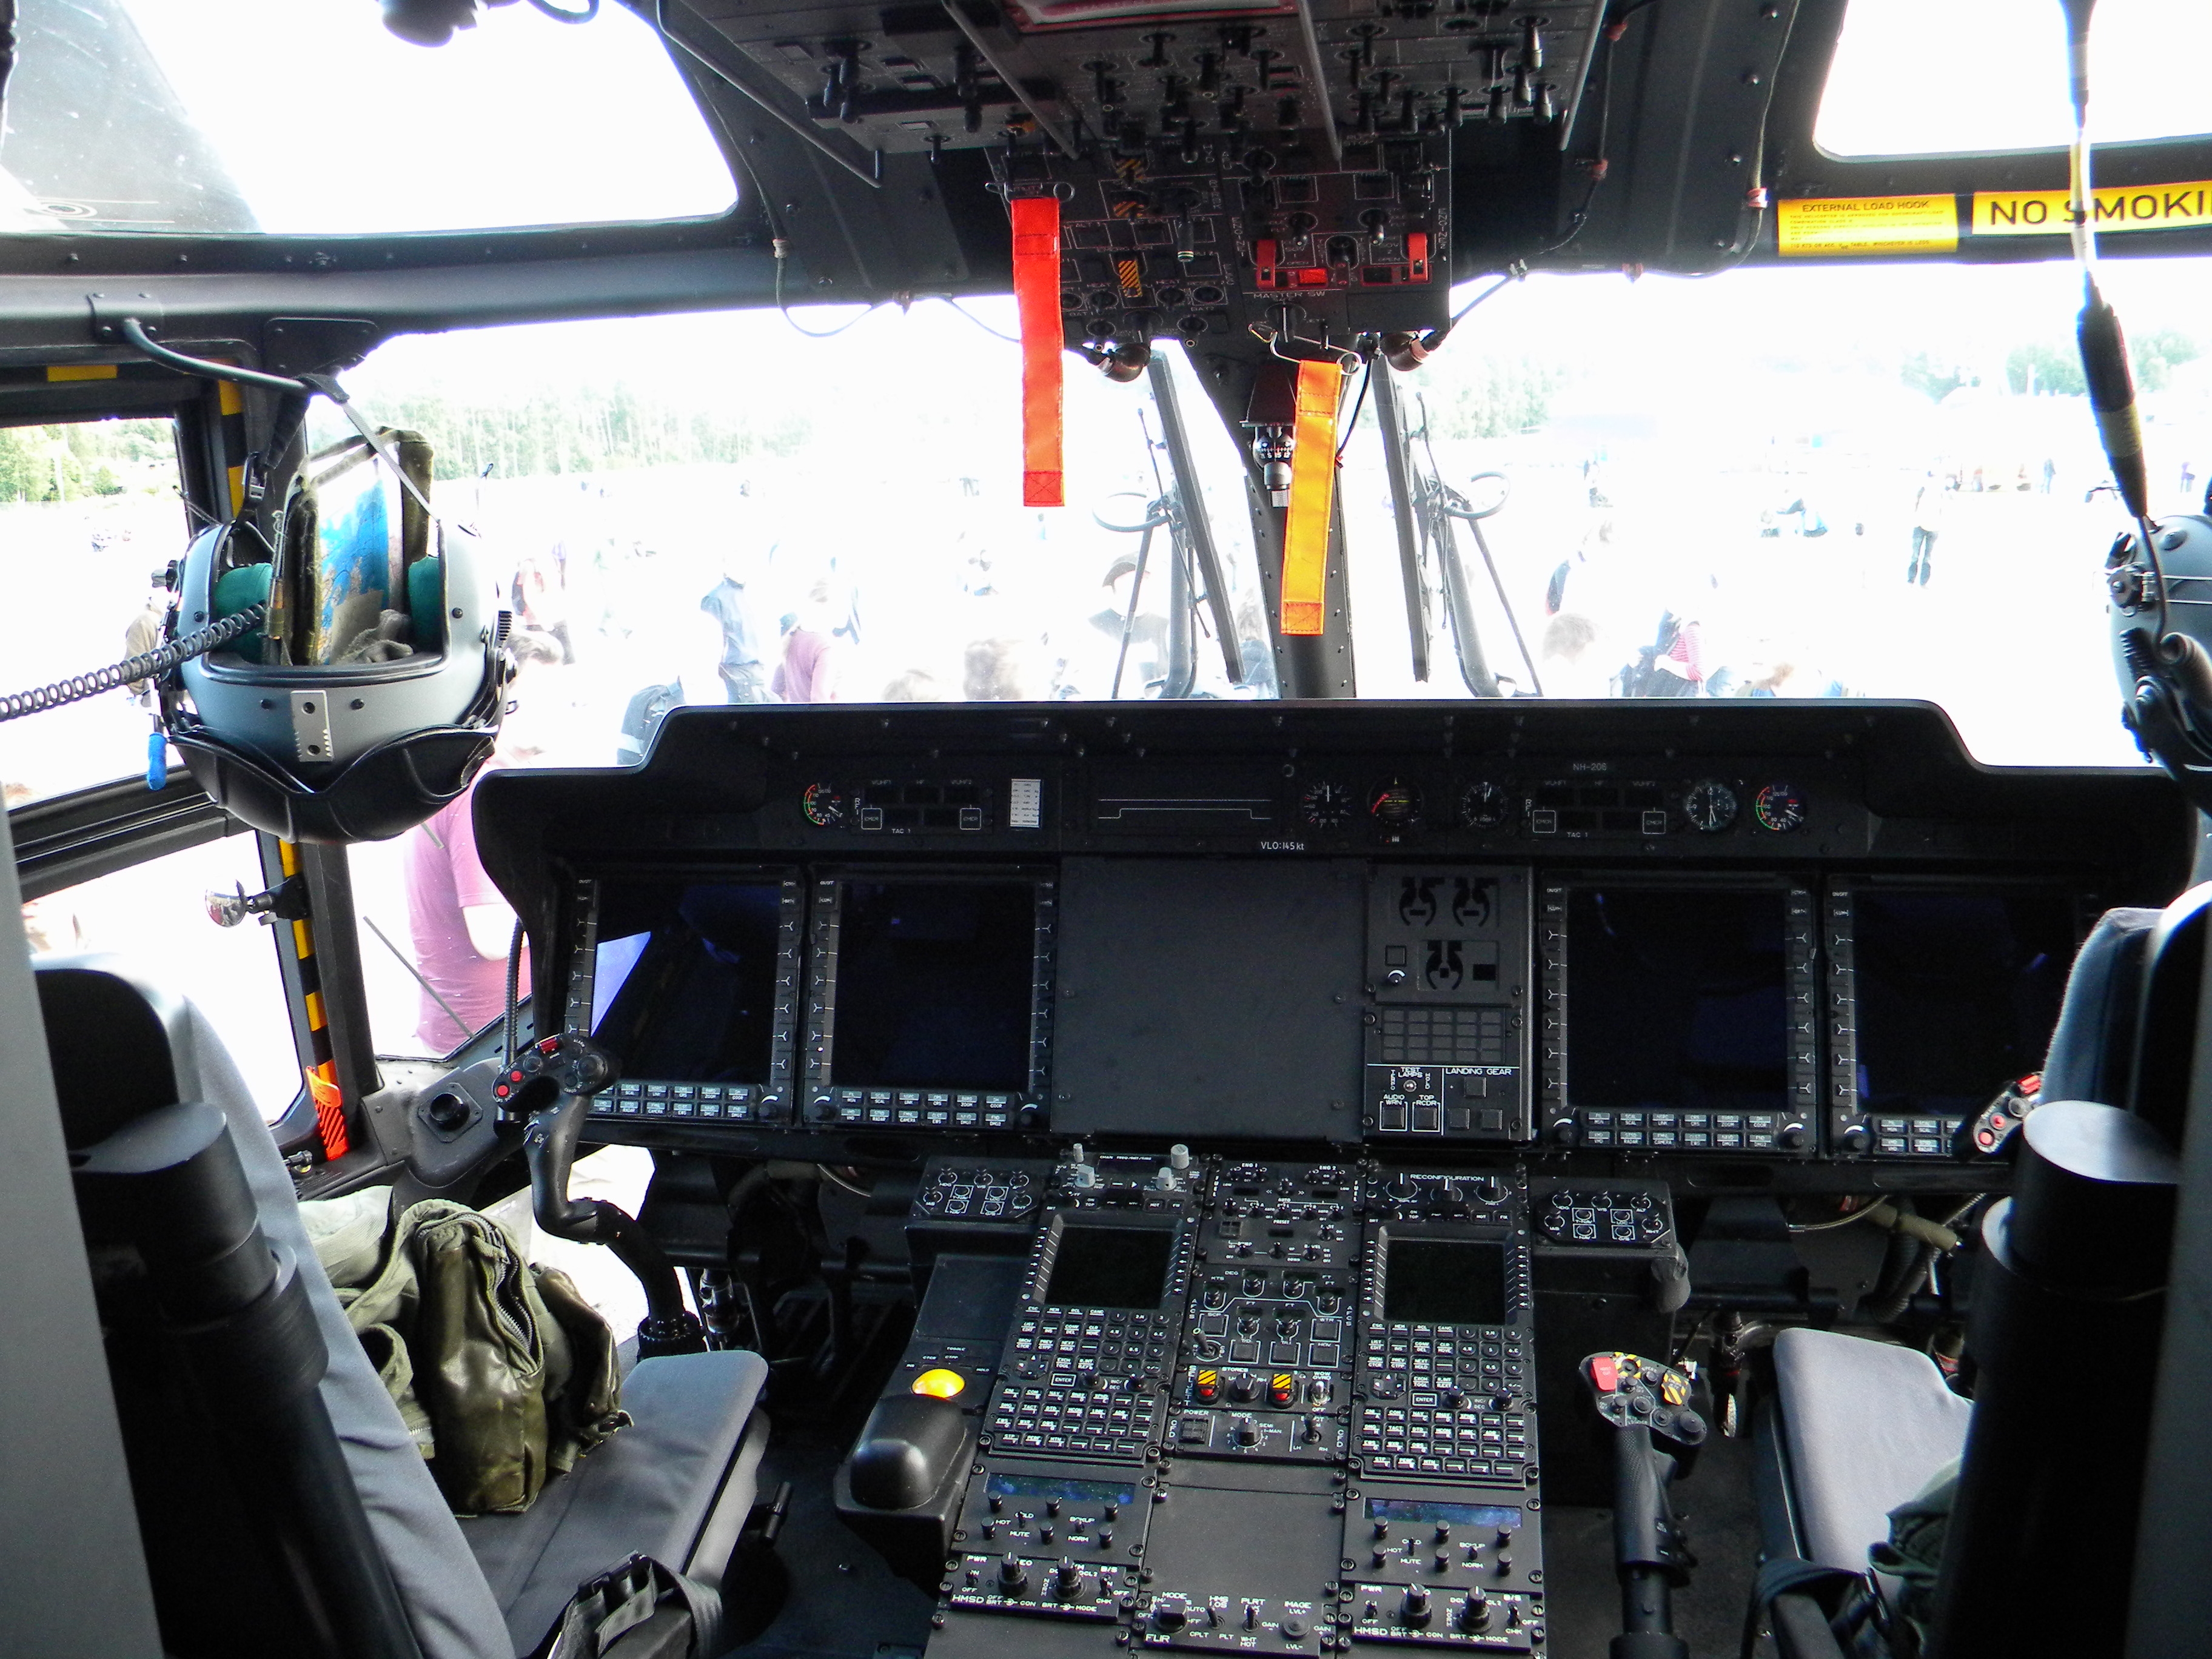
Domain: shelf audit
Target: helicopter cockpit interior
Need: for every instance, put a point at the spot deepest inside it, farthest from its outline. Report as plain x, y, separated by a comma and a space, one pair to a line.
651, 1024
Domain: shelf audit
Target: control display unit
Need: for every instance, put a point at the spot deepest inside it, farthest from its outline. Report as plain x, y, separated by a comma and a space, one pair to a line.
1939, 996
1447, 1359
930, 1000
1679, 1017
690, 983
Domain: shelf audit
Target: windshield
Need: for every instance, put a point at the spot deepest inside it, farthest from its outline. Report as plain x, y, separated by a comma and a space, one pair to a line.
1878, 481
1942, 78
223, 116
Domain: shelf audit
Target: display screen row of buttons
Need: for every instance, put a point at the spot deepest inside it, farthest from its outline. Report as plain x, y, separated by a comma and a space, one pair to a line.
737, 1102
1728, 1131
1914, 1137
935, 1108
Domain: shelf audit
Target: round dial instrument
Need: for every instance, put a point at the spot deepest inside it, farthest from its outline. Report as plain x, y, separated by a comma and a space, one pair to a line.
823, 805
1326, 805
1778, 807
1485, 805
1394, 804
1711, 806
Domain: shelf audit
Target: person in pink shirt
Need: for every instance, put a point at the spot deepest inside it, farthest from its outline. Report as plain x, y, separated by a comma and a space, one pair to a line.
814, 655
457, 920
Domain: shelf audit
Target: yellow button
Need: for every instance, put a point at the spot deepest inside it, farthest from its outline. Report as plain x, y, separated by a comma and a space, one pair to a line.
940, 1383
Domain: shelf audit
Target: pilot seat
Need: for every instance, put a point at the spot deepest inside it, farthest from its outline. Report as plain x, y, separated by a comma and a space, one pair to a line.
1857, 1427
677, 1485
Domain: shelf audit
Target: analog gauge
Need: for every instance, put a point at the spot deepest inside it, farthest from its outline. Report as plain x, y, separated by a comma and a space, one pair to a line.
1779, 807
1326, 805
1485, 805
823, 806
1394, 804
1709, 805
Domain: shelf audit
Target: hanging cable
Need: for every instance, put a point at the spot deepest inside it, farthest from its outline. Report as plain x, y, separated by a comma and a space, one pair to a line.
947, 299
513, 993
1357, 403
782, 254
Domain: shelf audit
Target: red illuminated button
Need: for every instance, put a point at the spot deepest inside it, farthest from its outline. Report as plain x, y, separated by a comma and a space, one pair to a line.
1603, 1373
1206, 1387
1282, 1389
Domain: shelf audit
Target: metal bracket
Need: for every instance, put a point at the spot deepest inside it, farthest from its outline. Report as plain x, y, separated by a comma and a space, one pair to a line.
287, 901
108, 311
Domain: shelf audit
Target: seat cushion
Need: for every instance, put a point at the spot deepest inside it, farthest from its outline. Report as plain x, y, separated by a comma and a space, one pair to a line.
1864, 1424
647, 1491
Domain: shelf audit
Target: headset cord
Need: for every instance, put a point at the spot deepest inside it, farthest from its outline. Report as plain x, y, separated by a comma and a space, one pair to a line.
148, 665
513, 993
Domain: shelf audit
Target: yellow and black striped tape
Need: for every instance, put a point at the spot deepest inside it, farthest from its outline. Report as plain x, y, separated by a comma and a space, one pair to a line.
322, 1075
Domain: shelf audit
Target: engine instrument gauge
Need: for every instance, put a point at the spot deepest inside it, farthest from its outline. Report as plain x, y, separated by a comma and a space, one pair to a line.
1485, 805
1394, 804
1778, 807
1326, 805
1711, 806
823, 805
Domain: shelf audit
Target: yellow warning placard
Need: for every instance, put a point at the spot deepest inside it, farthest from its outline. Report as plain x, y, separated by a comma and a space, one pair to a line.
2133, 207
1868, 224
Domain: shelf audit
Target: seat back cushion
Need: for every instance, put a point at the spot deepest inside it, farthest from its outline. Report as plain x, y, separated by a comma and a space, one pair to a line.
2094, 1043
446, 1599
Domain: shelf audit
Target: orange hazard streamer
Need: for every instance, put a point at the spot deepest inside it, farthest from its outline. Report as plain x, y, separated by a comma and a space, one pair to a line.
1036, 293
1313, 493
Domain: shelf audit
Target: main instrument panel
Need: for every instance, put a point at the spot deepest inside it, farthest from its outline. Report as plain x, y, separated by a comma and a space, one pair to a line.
1794, 934
1294, 1095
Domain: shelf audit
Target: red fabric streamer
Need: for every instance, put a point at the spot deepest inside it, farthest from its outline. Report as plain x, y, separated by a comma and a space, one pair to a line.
1037, 293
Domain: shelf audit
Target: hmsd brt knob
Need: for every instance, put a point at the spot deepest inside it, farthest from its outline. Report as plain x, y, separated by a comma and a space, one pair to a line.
1415, 1609
1066, 1579
1013, 1576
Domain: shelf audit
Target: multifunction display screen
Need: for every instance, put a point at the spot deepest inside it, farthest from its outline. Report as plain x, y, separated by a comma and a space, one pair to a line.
935, 983
684, 986
1957, 993
1439, 1281
1677, 997
1096, 1266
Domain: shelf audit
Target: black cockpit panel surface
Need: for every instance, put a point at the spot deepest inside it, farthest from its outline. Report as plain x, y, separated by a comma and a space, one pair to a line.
1240, 1019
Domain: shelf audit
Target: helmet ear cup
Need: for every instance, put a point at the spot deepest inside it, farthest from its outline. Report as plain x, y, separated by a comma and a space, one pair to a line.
2165, 678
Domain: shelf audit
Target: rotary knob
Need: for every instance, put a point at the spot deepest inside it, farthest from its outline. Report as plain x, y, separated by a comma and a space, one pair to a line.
1013, 1576
1066, 1579
1244, 1387
1248, 1432
1414, 1611
1474, 1616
